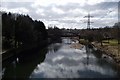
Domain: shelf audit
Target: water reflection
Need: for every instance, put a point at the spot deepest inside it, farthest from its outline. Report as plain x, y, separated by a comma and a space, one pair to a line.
73, 63
54, 47
23, 65
67, 40
60, 61
87, 53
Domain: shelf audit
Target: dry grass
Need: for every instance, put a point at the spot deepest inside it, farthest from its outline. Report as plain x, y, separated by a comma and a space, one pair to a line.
76, 45
83, 41
113, 51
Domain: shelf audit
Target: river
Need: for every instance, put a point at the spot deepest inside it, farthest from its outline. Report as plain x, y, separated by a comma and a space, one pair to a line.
59, 60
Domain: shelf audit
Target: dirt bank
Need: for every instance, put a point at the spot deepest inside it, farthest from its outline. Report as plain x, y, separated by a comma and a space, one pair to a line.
112, 51
76, 45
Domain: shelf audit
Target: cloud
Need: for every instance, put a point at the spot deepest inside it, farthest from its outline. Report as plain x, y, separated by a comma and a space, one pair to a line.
21, 10
57, 2
65, 13
40, 12
57, 10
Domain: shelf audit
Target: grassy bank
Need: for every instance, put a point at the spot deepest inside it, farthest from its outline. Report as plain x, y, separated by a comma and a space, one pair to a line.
83, 41
111, 42
110, 48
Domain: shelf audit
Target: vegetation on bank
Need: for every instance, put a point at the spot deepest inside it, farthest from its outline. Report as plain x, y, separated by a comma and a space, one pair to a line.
111, 42
54, 34
83, 41
105, 39
22, 31
110, 50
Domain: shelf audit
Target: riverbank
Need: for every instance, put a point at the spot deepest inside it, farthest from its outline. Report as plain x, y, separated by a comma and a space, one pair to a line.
112, 51
25, 48
109, 50
76, 45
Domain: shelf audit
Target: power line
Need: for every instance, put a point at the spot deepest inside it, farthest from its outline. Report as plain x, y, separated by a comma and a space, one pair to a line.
88, 22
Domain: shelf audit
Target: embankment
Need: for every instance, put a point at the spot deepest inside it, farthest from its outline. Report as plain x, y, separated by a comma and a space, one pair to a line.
111, 51
26, 48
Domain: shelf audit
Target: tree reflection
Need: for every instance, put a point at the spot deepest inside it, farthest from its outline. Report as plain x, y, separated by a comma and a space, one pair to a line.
87, 53
97, 53
54, 47
24, 67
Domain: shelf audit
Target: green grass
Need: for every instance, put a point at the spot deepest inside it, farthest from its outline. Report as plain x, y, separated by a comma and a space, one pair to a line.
112, 42
83, 41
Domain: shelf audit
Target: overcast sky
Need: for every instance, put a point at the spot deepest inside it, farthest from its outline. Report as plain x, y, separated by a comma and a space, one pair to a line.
66, 13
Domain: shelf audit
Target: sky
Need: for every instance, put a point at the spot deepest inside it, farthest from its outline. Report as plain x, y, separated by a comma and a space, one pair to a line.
66, 13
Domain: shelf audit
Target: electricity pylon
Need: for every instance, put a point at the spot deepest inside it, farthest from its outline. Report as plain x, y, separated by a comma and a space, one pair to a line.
88, 22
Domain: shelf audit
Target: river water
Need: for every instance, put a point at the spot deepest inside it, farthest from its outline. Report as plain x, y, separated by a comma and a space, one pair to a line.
59, 60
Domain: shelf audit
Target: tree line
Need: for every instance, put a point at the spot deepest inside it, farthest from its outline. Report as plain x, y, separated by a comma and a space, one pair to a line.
19, 30
100, 34
54, 34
